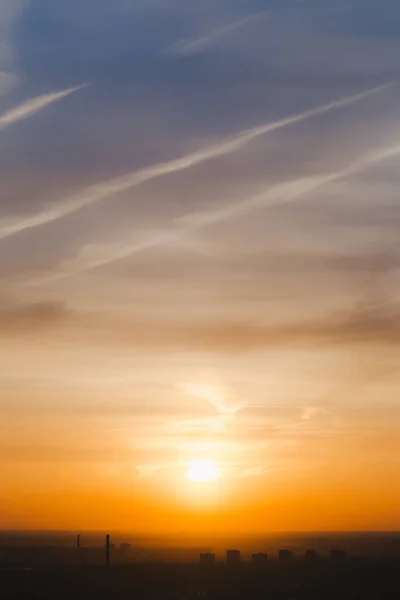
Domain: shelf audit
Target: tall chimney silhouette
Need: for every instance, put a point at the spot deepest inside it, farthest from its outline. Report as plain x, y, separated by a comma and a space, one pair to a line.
108, 550
78, 541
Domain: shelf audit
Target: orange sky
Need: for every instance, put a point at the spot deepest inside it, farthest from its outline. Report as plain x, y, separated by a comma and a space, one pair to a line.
75, 463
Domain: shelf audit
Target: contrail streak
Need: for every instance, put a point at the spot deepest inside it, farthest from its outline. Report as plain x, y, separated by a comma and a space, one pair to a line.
32, 106
98, 192
185, 47
288, 191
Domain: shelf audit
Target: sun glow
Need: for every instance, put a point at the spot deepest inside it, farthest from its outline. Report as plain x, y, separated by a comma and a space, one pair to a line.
203, 471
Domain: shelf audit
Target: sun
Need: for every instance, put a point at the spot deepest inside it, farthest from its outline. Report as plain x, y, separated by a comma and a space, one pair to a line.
203, 471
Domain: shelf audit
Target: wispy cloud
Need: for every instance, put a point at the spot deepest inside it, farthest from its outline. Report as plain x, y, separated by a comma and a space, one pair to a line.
185, 47
30, 107
214, 396
285, 192
9, 12
310, 412
19, 317
98, 192
378, 327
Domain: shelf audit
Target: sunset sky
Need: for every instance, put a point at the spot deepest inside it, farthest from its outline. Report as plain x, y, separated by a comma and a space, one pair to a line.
199, 261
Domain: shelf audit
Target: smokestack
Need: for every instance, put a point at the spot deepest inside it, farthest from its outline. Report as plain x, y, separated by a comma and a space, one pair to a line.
108, 550
78, 541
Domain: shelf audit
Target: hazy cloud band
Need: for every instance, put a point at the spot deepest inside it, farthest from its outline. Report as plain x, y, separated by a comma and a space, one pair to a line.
287, 191
98, 192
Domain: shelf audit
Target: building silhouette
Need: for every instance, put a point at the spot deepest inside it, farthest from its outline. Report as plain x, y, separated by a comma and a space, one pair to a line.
233, 557
125, 547
338, 556
310, 556
108, 550
207, 558
285, 557
260, 558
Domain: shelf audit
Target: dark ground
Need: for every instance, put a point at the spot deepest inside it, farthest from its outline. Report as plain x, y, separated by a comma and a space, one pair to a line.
354, 579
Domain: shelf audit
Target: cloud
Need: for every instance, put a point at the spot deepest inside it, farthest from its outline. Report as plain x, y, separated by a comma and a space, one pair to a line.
310, 412
186, 47
7, 81
34, 105
366, 327
149, 470
215, 396
279, 194
98, 192
56, 454
23, 317
255, 471
9, 11
67, 407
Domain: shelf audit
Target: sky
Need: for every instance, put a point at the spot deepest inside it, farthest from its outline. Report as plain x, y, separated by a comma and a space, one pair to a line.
199, 224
